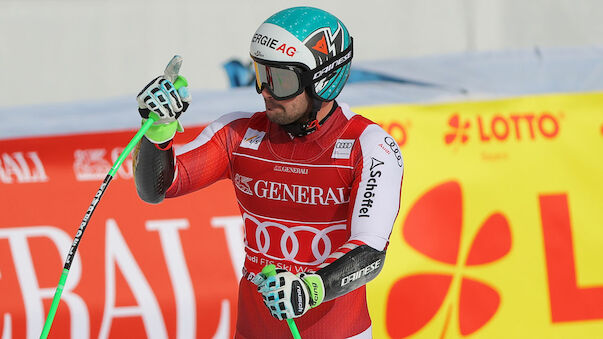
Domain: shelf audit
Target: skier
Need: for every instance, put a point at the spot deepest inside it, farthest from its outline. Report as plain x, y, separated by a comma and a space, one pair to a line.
317, 185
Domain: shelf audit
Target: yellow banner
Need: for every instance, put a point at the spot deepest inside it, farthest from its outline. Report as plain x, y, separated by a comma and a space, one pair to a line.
500, 232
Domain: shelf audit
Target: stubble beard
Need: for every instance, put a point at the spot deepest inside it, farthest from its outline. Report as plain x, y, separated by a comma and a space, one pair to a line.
279, 115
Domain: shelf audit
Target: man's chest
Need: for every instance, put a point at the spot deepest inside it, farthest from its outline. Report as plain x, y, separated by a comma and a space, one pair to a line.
313, 190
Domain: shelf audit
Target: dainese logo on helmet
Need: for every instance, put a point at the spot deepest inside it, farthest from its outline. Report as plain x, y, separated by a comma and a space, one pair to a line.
330, 67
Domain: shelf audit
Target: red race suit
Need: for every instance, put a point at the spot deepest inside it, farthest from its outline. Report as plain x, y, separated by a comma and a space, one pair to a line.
305, 202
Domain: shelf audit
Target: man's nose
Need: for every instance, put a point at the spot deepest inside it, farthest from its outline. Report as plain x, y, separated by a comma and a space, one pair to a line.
265, 93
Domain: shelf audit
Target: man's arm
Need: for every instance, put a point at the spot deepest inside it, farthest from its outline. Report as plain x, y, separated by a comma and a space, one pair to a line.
153, 163
354, 269
154, 169
160, 172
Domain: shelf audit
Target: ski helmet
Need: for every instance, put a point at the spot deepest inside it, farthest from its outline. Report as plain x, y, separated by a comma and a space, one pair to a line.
310, 41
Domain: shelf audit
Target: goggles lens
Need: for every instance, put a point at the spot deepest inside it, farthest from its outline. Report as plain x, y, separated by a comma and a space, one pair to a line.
282, 83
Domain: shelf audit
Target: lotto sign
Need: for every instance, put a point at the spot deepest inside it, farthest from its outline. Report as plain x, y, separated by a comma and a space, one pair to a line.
499, 234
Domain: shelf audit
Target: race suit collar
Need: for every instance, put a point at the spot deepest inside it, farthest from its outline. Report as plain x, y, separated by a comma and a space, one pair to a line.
326, 134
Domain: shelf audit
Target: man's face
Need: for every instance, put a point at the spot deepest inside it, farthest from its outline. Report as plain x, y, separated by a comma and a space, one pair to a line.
284, 112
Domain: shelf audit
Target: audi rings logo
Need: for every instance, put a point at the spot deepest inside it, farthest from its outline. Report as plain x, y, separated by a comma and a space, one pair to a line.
344, 143
393, 145
343, 148
293, 241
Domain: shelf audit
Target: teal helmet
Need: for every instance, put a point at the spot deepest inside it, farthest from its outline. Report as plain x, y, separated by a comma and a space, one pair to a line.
311, 40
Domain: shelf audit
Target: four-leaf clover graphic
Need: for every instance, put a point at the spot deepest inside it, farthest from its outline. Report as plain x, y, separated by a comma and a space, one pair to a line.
433, 227
458, 130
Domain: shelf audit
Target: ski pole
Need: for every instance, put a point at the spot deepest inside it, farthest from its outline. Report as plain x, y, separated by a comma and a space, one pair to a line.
268, 271
180, 82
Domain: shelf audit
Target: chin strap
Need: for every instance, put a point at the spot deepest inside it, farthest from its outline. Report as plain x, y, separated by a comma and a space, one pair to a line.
305, 126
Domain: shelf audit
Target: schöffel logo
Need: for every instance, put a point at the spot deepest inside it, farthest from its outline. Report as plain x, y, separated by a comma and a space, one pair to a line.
252, 139
438, 237
300, 194
371, 186
503, 127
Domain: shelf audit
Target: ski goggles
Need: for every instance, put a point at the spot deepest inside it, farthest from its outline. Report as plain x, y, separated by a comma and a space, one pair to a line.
282, 82
287, 81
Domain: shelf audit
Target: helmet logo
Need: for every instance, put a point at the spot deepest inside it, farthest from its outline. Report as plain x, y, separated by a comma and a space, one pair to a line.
290, 51
333, 64
270, 42
321, 46
325, 44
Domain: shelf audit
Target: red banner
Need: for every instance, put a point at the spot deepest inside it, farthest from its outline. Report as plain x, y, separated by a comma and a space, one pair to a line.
146, 270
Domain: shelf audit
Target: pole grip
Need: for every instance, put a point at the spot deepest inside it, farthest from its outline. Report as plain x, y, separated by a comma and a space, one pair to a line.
269, 271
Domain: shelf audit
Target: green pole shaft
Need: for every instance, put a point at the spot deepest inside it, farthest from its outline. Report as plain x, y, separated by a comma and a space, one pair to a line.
293, 329
76, 241
55, 304
268, 271
147, 124
180, 81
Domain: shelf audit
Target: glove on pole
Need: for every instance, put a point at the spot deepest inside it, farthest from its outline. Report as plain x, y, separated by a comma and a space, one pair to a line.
268, 271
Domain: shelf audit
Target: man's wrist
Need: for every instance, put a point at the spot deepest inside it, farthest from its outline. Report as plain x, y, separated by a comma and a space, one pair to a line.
315, 287
161, 133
